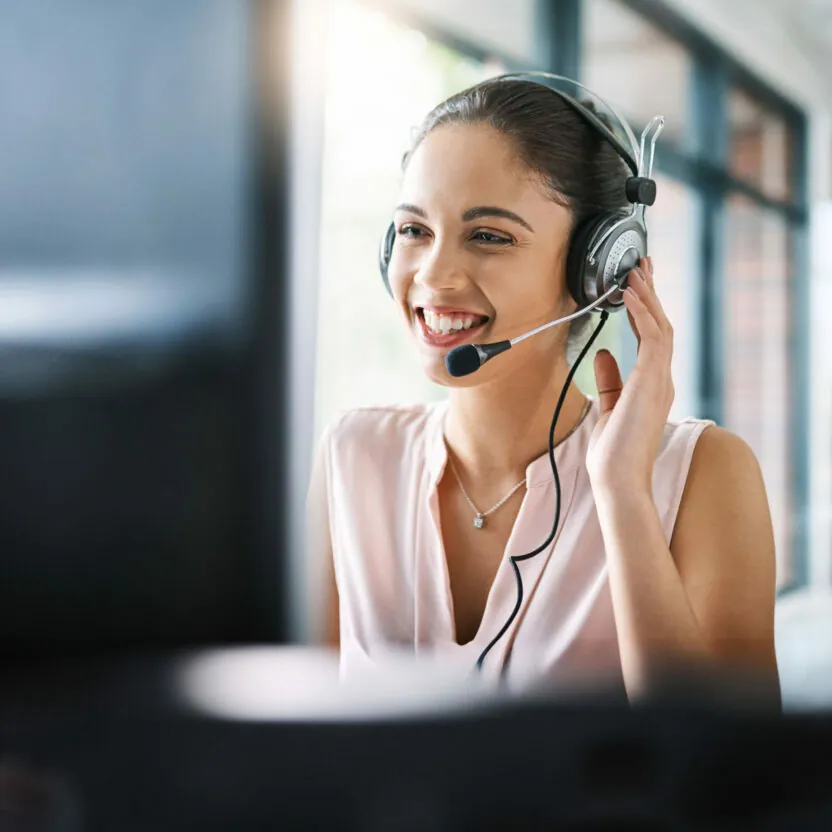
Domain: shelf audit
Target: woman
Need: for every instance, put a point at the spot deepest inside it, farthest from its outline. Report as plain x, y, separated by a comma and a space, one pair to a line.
664, 555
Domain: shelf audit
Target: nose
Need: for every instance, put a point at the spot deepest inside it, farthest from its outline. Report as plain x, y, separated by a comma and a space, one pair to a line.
440, 268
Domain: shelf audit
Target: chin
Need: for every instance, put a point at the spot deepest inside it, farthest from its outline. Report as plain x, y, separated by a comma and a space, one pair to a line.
434, 368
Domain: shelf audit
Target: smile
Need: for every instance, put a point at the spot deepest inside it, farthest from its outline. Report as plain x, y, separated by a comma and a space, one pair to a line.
447, 329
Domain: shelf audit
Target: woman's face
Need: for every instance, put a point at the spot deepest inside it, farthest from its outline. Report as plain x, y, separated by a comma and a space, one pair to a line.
479, 254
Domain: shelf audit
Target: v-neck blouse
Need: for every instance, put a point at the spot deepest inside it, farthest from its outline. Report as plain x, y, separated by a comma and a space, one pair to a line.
383, 466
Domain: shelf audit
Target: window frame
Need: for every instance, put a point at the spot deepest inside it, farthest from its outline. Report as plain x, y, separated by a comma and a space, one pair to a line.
715, 73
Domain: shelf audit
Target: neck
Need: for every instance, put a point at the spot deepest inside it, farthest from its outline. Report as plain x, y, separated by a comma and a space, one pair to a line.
495, 430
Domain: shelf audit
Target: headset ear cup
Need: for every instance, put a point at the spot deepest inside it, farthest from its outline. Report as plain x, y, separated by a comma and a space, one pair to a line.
577, 266
617, 255
385, 253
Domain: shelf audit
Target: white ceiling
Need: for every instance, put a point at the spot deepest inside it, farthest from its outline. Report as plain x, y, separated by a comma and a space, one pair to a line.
793, 49
812, 18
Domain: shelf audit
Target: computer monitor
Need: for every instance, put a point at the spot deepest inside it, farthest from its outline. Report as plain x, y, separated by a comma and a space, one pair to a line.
142, 280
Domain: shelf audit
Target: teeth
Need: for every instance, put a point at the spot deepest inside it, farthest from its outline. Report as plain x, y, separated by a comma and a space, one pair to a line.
443, 324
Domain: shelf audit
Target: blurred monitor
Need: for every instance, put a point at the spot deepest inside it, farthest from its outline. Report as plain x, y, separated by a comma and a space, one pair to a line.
140, 386
265, 739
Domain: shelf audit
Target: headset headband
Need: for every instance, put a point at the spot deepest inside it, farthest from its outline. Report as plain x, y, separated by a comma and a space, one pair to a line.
630, 157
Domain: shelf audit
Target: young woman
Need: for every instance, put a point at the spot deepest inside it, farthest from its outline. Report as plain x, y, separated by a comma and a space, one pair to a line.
664, 553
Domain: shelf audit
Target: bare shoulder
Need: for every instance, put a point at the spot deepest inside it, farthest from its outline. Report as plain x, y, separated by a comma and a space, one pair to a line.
722, 458
724, 493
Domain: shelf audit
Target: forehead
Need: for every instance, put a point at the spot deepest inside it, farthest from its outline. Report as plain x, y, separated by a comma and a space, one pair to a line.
471, 164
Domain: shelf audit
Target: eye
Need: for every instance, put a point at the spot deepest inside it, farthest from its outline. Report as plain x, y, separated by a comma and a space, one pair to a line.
482, 236
409, 231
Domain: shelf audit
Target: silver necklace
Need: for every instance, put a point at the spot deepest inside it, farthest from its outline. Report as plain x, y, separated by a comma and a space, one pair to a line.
479, 516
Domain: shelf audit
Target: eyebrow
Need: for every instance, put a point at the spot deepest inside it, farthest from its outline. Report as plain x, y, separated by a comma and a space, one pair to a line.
493, 211
473, 213
412, 209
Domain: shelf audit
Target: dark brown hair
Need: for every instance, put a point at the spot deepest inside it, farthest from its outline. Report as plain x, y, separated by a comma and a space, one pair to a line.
576, 165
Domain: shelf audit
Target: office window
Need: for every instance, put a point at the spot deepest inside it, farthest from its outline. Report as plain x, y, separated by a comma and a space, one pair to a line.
646, 71
757, 350
383, 78
760, 144
636, 68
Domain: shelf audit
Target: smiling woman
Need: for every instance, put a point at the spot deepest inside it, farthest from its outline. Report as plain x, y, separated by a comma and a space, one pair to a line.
513, 201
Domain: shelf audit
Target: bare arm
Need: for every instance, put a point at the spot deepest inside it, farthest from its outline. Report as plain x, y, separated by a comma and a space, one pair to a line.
320, 545
723, 546
707, 600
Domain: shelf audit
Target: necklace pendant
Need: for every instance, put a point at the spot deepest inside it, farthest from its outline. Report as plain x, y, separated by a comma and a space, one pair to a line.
479, 521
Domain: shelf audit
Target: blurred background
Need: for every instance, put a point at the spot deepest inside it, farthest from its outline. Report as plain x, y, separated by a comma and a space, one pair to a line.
191, 200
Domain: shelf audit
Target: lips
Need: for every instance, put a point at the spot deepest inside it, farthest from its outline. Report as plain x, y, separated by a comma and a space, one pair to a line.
450, 339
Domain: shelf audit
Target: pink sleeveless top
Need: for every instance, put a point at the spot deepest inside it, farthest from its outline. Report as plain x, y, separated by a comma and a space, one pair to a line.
383, 465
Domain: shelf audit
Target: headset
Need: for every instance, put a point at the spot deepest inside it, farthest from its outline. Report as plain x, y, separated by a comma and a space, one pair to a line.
603, 250
606, 247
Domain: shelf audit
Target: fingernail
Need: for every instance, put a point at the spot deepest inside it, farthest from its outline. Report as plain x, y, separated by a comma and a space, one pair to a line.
650, 265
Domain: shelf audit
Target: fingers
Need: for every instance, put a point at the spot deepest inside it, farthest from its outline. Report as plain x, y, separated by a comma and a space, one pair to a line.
646, 325
654, 302
608, 379
645, 308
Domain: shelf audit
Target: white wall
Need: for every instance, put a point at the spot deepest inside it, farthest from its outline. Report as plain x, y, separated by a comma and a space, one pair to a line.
767, 38
309, 24
821, 394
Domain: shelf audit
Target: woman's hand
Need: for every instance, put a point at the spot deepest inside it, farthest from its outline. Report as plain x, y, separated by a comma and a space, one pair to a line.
624, 444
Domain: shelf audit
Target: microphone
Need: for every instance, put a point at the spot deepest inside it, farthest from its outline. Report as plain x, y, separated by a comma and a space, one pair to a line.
464, 360
461, 361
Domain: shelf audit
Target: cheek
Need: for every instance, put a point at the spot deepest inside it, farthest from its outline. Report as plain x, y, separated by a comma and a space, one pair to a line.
403, 265
538, 279
539, 294
398, 279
